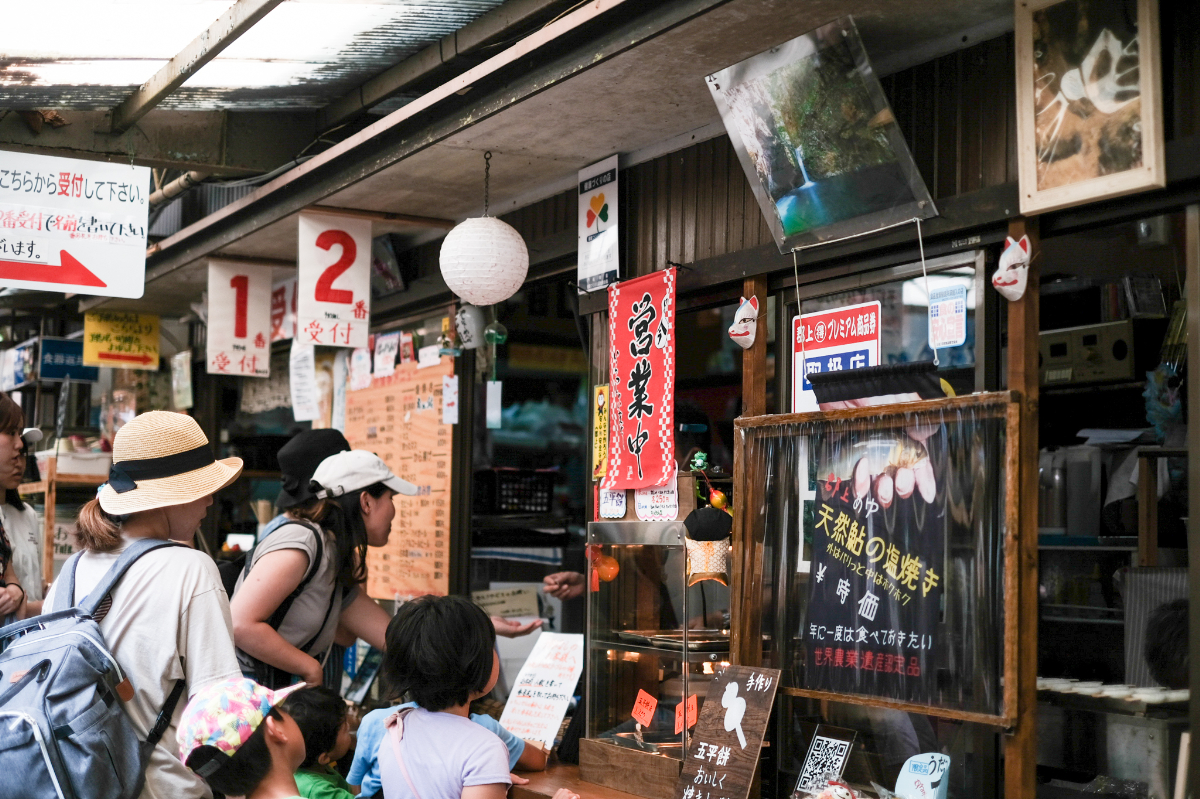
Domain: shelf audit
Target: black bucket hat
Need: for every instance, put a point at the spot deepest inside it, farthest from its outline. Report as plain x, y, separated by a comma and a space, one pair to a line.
300, 457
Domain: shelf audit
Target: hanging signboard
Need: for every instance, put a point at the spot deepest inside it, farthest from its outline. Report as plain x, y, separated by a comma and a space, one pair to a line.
831, 341
723, 755
947, 317
599, 262
283, 308
16, 366
63, 357
641, 444
120, 340
73, 226
239, 319
334, 298
600, 433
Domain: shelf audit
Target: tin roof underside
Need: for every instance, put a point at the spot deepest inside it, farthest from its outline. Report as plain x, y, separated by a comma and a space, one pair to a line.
91, 54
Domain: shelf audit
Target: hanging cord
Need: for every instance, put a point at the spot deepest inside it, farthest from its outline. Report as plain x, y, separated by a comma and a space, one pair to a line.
487, 179
928, 296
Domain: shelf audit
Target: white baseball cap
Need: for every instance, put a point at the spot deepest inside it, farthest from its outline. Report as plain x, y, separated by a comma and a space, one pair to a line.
355, 470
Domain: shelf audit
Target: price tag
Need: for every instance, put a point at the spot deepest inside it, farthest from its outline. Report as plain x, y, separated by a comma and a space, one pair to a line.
334, 299
239, 319
692, 710
612, 503
644, 706
658, 503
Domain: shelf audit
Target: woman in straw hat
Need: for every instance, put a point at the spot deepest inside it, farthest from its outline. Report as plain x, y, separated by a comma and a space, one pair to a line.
169, 618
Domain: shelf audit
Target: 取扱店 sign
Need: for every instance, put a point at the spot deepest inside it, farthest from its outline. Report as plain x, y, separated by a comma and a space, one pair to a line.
333, 304
73, 226
120, 340
239, 319
723, 755
832, 341
599, 263
641, 324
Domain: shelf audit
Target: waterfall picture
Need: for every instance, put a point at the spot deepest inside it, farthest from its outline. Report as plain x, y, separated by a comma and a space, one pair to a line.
817, 139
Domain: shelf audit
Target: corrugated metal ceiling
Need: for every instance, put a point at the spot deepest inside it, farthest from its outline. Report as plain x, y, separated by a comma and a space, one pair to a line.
90, 54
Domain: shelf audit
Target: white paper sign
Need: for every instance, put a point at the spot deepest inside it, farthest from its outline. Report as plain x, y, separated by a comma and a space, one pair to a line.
924, 776
947, 317
73, 226
334, 300
449, 399
360, 369
428, 356
302, 374
599, 263
508, 603
239, 319
341, 383
829, 341
387, 346
494, 418
544, 687
181, 380
658, 503
283, 308
612, 503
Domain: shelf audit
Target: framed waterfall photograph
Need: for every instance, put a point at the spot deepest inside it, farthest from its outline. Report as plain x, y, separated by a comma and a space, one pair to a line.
818, 141
1089, 104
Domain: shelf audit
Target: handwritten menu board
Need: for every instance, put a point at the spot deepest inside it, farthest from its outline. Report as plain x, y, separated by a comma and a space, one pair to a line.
544, 687
726, 743
399, 419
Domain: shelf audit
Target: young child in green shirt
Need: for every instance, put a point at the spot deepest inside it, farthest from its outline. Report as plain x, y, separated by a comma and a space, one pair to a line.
321, 716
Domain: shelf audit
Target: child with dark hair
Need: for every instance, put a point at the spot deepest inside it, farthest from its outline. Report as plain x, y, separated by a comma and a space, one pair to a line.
321, 716
441, 651
235, 736
1167, 644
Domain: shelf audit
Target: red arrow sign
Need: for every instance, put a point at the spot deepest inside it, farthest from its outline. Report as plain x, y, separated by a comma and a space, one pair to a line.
70, 273
120, 356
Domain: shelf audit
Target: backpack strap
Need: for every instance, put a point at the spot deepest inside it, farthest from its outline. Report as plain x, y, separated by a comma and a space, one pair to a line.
91, 602
64, 595
276, 618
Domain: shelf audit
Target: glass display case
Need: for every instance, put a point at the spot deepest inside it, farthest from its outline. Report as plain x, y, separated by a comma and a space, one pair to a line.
648, 630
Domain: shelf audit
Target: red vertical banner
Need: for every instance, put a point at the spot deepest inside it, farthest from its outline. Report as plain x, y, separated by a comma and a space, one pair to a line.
641, 326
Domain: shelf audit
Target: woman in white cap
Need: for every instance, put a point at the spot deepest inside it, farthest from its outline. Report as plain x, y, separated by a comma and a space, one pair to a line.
298, 589
168, 619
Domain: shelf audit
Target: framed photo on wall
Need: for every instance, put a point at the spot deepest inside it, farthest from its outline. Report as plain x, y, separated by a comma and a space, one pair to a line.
1089, 102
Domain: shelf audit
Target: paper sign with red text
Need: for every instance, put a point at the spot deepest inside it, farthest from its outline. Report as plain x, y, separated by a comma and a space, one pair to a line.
334, 299
643, 708
544, 688
239, 319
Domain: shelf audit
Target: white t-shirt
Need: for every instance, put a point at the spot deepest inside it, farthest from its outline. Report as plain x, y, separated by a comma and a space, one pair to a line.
444, 753
169, 620
27, 541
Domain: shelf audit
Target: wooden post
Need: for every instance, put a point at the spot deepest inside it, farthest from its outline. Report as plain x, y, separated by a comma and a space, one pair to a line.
1192, 292
754, 360
1020, 745
1147, 501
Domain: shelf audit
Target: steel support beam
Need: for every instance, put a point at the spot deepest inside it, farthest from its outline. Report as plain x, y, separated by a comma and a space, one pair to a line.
240, 17
499, 83
489, 28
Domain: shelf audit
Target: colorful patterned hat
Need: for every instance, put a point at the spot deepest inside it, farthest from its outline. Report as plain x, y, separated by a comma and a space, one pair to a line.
224, 716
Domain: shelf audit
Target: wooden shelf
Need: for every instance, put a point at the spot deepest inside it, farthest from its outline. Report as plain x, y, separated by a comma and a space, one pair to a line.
63, 480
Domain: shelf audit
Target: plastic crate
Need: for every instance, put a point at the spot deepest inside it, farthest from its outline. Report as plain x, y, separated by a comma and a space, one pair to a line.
513, 491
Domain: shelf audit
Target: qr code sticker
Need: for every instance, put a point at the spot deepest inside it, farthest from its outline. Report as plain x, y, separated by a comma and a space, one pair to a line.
826, 758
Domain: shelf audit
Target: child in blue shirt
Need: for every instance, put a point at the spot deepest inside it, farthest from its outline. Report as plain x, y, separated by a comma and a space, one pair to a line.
364, 769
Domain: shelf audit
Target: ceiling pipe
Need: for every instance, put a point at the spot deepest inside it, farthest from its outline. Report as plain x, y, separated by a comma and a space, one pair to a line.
177, 187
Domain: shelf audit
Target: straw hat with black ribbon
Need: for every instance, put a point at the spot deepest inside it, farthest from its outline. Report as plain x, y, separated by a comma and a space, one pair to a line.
162, 459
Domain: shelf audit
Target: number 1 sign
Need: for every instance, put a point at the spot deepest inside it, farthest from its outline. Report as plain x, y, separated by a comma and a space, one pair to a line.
239, 319
335, 280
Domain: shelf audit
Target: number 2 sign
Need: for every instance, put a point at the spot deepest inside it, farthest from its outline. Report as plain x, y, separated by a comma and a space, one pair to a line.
239, 319
334, 305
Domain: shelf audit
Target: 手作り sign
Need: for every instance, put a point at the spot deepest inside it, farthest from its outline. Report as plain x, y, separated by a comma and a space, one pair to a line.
73, 226
239, 319
333, 304
120, 340
723, 753
832, 341
641, 444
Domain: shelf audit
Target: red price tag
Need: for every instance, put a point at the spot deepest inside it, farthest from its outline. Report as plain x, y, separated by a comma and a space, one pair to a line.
693, 711
595, 578
643, 708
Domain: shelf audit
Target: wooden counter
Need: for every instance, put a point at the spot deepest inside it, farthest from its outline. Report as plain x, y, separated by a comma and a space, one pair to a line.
543, 784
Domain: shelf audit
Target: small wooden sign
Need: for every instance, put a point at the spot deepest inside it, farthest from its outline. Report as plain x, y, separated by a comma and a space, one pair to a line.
725, 745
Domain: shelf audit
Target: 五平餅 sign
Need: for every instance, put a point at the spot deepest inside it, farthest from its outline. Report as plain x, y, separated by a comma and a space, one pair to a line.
641, 323
73, 226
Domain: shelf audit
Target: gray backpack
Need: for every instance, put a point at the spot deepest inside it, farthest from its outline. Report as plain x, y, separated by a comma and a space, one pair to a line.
63, 732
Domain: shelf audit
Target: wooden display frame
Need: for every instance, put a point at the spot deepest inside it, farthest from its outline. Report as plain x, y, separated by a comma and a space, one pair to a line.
747, 578
1150, 175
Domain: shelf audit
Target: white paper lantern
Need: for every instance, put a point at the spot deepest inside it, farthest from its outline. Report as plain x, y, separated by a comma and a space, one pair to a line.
484, 260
